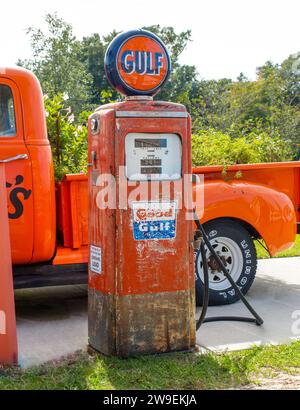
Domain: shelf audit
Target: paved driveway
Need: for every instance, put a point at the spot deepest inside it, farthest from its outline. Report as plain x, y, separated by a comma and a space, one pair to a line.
53, 322
275, 295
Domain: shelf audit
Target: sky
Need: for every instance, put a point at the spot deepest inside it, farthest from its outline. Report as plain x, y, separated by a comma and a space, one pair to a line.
228, 36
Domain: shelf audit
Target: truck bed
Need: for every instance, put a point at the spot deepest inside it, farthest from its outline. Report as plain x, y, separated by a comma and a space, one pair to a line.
69, 265
283, 176
72, 200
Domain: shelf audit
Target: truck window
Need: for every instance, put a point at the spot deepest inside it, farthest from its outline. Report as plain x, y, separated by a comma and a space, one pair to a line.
7, 112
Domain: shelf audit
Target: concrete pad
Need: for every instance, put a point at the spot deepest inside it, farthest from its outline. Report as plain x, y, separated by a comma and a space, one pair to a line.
52, 322
275, 295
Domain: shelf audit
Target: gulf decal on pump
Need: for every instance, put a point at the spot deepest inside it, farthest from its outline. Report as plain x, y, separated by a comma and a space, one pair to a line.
154, 220
137, 63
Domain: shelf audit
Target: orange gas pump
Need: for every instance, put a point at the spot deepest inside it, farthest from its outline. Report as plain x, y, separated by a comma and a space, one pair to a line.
141, 271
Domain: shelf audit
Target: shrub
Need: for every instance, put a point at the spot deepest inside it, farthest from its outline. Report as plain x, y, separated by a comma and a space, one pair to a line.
212, 147
68, 137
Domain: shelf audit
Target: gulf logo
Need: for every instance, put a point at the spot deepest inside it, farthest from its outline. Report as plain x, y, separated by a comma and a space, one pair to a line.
137, 63
154, 210
154, 220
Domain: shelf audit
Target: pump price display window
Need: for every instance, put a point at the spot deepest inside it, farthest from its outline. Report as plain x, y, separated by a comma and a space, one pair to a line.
155, 157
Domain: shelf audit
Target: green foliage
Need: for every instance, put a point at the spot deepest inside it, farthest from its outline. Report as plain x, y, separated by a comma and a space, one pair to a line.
176, 43
182, 77
176, 371
213, 147
233, 121
271, 104
294, 251
68, 138
55, 62
66, 65
92, 52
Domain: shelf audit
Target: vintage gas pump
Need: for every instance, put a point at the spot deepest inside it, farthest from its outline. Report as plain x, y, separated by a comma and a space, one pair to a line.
141, 270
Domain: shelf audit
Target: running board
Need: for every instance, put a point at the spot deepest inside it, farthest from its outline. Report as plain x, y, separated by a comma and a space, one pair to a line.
38, 276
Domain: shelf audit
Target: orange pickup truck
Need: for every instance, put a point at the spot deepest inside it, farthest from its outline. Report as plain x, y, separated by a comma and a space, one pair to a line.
49, 222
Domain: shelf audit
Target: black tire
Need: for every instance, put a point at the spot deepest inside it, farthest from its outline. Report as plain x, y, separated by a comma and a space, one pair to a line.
236, 247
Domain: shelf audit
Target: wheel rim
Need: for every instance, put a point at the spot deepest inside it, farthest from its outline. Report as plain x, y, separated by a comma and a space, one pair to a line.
232, 257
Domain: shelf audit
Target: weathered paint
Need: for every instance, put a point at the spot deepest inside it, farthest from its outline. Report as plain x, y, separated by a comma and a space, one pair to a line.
136, 324
142, 302
33, 231
266, 197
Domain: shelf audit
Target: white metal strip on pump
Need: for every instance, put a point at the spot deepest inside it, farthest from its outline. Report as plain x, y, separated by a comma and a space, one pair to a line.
151, 114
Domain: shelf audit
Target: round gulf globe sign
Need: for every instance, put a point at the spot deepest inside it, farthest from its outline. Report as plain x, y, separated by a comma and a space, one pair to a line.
137, 63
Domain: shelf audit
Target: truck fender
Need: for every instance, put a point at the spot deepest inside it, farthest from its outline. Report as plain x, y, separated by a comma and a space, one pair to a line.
270, 212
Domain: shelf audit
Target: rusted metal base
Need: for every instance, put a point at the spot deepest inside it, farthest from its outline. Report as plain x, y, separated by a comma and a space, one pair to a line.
141, 324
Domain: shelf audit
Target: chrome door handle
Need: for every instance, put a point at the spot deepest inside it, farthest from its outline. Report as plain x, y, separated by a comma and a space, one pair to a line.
16, 158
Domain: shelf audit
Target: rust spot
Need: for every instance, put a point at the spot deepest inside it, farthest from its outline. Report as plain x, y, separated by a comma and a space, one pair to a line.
142, 324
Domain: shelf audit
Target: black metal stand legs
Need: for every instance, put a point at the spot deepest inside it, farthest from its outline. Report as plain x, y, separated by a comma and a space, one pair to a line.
204, 241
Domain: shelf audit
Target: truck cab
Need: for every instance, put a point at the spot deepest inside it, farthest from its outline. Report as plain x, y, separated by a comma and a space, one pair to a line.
30, 179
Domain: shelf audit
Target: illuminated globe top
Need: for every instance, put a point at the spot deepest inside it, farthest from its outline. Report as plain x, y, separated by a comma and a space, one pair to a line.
137, 63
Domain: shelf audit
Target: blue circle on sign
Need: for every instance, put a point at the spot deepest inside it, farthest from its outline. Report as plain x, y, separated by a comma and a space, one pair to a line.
137, 63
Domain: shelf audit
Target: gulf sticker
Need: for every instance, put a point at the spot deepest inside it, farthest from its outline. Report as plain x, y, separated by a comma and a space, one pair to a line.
142, 63
154, 220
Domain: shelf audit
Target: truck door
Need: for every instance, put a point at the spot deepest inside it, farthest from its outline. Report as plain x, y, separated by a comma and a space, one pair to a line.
18, 172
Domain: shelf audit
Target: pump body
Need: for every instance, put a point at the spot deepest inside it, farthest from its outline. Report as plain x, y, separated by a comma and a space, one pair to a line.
141, 273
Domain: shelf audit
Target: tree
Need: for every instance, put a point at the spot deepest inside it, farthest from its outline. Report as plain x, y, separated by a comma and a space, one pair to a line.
238, 108
208, 104
56, 64
65, 65
182, 77
268, 107
290, 74
241, 77
175, 43
92, 52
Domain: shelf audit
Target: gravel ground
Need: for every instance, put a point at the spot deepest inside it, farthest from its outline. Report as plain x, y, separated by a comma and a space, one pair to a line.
280, 381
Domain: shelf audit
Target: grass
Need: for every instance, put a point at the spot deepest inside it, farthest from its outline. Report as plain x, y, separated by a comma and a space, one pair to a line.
294, 251
177, 371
